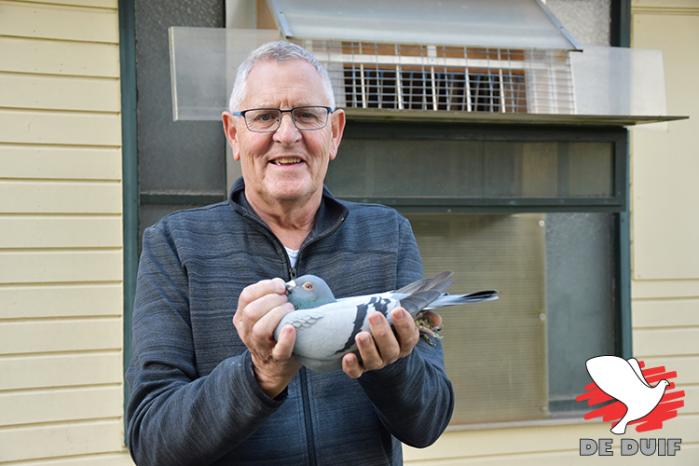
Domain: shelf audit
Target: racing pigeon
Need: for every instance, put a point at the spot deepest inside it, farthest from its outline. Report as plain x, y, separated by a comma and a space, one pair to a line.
624, 381
326, 326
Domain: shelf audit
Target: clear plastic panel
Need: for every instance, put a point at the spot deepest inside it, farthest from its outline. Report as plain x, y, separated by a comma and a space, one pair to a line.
203, 63
619, 81
606, 81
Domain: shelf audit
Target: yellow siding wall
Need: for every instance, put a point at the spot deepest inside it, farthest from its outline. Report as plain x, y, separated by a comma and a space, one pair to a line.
665, 255
61, 338
61, 246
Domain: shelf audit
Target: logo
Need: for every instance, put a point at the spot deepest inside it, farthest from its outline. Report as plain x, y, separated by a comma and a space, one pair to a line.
627, 394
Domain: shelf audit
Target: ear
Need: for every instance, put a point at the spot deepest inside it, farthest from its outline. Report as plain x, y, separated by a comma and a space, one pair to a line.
337, 127
231, 132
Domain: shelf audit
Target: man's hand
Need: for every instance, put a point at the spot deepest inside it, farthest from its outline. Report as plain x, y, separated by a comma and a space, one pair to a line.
260, 308
382, 347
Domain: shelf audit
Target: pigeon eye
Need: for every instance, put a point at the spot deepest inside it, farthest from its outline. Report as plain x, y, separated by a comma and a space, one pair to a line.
308, 286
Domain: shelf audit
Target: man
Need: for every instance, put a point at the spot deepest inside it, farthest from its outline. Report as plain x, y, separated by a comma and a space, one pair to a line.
206, 393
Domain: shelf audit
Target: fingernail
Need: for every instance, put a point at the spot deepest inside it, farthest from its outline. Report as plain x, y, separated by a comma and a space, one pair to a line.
375, 319
397, 314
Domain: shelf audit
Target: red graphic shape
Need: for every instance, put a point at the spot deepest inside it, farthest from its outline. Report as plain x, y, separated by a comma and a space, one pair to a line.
666, 409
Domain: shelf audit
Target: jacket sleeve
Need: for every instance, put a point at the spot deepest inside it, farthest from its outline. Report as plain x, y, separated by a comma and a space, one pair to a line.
413, 397
175, 417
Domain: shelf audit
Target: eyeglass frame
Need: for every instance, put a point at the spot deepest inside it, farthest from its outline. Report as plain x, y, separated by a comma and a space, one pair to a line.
242, 113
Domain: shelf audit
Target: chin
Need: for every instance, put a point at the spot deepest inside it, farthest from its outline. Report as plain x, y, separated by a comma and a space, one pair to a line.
290, 192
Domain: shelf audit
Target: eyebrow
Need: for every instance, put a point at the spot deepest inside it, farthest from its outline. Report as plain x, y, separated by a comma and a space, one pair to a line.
276, 106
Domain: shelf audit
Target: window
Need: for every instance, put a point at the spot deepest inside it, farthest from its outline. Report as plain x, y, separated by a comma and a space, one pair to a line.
533, 212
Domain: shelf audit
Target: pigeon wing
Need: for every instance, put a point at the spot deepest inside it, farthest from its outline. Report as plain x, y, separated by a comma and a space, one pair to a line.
614, 376
637, 369
328, 331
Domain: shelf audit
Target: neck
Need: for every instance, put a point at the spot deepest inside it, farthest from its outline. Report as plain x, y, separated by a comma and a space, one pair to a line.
291, 222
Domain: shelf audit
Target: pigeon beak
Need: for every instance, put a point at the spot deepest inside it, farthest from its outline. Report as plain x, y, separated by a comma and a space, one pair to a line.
290, 285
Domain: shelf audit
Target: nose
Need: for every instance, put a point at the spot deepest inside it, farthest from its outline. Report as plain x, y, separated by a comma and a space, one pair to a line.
287, 131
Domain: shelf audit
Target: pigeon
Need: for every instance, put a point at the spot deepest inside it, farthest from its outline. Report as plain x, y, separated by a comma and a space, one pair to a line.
326, 326
623, 380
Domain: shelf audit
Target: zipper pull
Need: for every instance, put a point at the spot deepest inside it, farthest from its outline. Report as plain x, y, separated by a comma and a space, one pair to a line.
292, 273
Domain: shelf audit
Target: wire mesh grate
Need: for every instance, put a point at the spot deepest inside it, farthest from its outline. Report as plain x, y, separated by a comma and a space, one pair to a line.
446, 78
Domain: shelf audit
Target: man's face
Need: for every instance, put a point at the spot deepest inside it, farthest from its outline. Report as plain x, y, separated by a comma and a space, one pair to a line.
264, 157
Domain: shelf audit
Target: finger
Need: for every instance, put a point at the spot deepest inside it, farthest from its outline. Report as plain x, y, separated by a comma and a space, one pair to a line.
351, 366
384, 339
284, 348
406, 331
262, 333
371, 358
245, 318
261, 306
252, 292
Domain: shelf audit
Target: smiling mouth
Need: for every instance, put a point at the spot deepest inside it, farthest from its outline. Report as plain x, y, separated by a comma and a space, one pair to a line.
286, 161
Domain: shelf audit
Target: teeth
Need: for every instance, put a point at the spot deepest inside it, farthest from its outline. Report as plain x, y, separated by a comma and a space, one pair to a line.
287, 160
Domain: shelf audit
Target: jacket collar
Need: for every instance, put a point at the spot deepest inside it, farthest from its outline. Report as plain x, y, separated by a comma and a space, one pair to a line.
328, 217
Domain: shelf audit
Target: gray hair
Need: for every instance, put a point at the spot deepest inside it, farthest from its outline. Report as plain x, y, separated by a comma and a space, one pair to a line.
279, 51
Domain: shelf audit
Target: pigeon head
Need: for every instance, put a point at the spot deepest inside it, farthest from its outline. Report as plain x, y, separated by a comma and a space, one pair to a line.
308, 291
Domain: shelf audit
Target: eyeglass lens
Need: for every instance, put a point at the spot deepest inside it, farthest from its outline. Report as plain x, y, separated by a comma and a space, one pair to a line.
269, 119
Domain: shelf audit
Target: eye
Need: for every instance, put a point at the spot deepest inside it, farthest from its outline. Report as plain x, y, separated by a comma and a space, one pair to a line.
264, 117
307, 286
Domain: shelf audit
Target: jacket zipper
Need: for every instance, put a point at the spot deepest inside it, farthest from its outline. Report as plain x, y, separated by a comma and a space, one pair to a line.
303, 375
293, 271
307, 417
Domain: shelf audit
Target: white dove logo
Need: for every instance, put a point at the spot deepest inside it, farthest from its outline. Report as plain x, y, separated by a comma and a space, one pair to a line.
624, 381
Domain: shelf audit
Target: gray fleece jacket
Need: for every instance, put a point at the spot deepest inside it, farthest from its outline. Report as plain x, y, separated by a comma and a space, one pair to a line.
194, 398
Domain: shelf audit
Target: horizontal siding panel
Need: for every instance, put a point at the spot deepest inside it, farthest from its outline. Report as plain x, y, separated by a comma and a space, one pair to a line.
60, 370
687, 367
31, 127
59, 92
60, 197
105, 459
537, 440
655, 342
59, 22
54, 57
61, 301
60, 266
60, 440
691, 399
51, 162
687, 456
60, 232
109, 4
648, 289
60, 405
60, 335
665, 313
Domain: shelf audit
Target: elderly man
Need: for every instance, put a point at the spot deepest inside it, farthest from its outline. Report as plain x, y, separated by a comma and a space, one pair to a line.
204, 392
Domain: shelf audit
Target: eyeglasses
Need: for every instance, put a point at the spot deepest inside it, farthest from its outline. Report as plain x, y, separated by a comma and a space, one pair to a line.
268, 120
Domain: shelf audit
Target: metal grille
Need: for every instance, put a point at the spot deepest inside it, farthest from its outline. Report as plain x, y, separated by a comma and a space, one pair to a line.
441, 78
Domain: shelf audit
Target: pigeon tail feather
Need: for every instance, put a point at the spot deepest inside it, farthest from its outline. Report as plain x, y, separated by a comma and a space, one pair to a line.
457, 299
620, 427
423, 292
